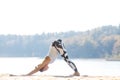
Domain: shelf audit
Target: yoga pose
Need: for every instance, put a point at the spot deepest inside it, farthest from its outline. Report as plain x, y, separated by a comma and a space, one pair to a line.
56, 48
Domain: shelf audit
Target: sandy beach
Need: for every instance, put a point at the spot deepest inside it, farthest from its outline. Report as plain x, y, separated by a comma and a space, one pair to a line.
49, 77
98, 70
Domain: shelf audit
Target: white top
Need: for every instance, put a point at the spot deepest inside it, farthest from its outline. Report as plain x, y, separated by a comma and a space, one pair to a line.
53, 53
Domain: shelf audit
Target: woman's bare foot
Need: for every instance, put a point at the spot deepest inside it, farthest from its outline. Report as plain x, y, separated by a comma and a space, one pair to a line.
76, 74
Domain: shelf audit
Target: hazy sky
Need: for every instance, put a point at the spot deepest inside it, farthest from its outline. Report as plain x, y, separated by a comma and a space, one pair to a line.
28, 17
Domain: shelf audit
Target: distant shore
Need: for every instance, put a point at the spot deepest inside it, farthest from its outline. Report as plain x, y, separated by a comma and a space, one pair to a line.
113, 59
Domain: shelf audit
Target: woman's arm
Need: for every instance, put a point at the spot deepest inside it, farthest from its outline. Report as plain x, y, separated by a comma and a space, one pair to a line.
40, 66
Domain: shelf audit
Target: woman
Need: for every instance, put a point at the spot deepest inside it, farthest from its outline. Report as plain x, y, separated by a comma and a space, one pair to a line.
56, 48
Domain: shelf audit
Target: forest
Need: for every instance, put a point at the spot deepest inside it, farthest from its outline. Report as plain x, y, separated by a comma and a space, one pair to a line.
96, 43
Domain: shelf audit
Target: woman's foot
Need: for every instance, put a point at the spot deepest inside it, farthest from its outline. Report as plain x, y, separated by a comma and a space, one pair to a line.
76, 74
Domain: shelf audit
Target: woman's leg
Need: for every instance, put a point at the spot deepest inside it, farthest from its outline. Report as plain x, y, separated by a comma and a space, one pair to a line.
61, 49
41, 67
71, 64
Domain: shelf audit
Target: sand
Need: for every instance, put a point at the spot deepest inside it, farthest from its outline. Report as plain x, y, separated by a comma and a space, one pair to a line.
51, 77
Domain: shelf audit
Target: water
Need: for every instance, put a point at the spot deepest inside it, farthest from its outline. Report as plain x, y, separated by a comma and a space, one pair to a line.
94, 67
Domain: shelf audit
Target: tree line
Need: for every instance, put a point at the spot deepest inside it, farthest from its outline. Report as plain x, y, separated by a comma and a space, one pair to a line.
97, 43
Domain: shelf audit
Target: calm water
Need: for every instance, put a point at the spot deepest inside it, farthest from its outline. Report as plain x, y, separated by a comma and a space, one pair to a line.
59, 67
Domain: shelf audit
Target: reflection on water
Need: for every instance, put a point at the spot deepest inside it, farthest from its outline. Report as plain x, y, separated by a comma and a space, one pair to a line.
59, 67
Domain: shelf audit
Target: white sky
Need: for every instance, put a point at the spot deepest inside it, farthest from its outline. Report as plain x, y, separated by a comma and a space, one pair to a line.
27, 17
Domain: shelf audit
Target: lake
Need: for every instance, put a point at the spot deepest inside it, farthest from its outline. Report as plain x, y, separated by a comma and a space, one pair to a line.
93, 67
